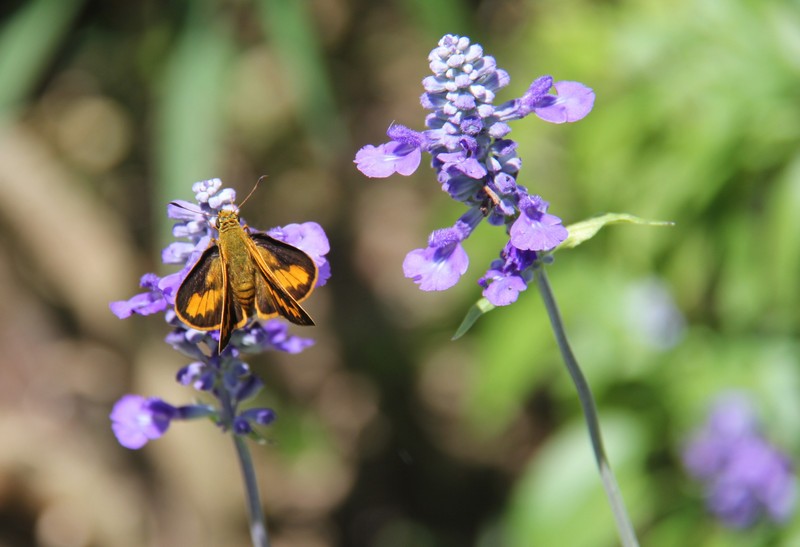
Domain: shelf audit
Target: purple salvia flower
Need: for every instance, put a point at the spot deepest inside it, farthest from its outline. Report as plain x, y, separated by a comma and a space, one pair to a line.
146, 303
534, 229
441, 264
401, 155
475, 163
508, 276
745, 478
136, 420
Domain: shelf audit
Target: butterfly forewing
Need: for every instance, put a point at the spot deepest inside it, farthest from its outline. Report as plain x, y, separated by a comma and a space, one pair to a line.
200, 298
288, 277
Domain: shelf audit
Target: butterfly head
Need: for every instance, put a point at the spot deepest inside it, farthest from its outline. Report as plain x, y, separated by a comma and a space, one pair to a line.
227, 218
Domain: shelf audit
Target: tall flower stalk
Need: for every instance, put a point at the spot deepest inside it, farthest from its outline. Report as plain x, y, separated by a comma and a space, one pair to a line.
477, 164
225, 379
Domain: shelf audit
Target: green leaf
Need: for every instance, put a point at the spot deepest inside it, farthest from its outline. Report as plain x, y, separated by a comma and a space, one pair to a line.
587, 229
479, 308
291, 28
29, 41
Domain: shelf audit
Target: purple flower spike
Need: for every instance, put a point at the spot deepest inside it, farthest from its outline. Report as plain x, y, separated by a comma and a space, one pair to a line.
136, 420
475, 162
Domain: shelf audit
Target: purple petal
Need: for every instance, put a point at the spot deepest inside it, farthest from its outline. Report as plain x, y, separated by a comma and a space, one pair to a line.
310, 238
136, 420
503, 291
241, 426
542, 234
387, 159
198, 375
273, 335
204, 189
177, 252
733, 504
702, 456
143, 303
573, 102
224, 197
505, 183
733, 416
184, 210
436, 269
261, 416
169, 285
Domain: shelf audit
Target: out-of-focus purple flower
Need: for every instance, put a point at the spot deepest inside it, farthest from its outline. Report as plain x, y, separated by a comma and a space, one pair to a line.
272, 334
474, 162
651, 314
145, 303
199, 375
745, 478
251, 417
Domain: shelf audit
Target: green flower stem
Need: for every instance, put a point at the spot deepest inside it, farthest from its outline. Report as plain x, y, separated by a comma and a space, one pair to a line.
624, 526
258, 527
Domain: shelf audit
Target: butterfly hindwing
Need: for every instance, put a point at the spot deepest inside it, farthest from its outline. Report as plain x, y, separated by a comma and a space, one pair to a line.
288, 276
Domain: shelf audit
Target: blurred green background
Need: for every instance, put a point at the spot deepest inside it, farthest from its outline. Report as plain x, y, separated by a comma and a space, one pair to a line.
389, 434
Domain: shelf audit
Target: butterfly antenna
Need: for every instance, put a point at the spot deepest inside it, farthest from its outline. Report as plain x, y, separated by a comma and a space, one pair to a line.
262, 177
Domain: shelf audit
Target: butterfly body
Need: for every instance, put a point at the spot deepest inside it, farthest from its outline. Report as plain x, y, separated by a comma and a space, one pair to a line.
242, 275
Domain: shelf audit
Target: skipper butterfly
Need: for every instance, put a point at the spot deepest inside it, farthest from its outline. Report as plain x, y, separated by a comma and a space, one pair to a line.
244, 274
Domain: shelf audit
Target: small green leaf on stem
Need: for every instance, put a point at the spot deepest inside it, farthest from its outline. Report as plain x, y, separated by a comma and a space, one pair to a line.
480, 307
587, 229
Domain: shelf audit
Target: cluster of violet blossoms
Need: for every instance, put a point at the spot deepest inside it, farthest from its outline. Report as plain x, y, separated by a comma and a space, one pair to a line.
137, 420
478, 166
745, 478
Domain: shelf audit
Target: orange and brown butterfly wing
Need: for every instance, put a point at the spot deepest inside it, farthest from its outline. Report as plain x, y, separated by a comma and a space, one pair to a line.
288, 276
203, 300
